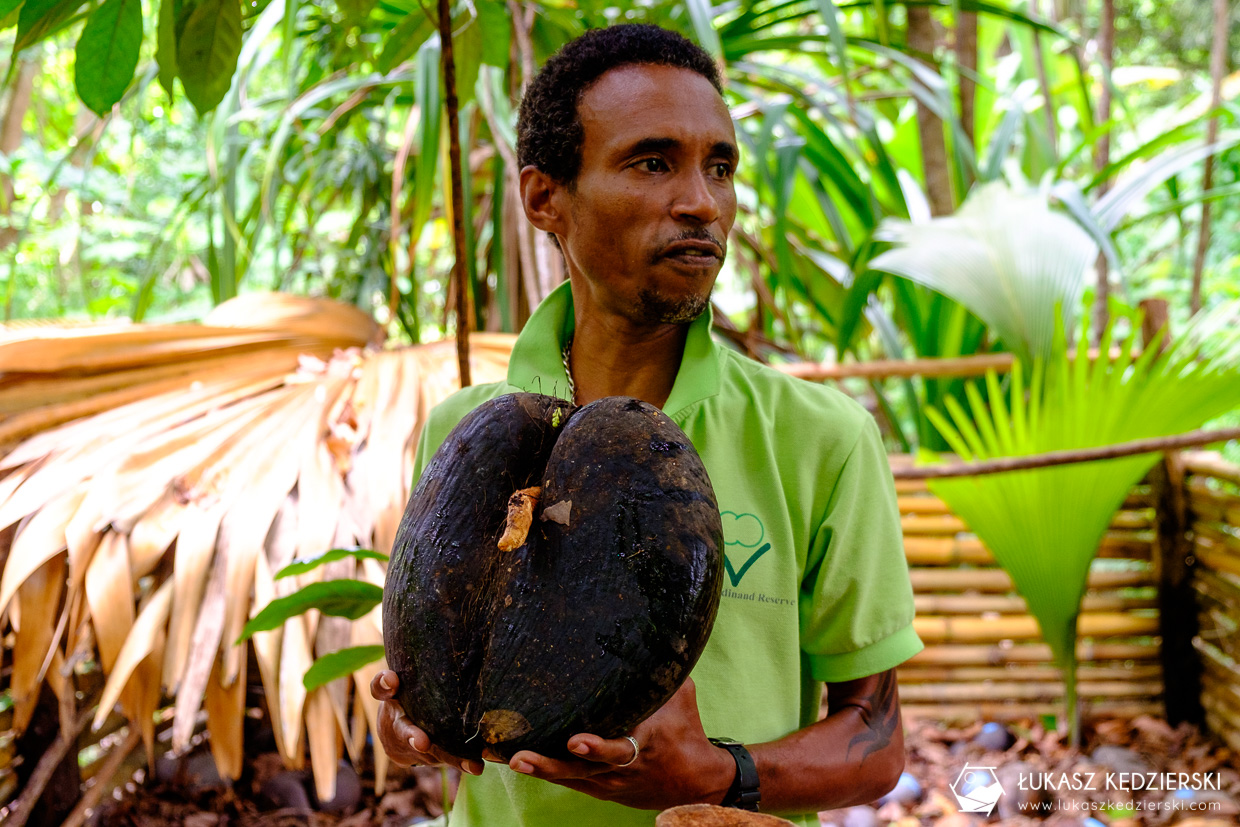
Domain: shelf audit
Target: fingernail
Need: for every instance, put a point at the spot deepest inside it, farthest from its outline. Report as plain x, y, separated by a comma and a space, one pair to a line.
385, 681
523, 767
472, 769
581, 749
412, 744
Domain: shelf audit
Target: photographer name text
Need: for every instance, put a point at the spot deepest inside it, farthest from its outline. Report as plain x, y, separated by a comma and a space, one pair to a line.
1128, 781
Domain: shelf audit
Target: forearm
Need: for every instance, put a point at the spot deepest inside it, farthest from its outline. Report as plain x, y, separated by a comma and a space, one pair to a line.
853, 756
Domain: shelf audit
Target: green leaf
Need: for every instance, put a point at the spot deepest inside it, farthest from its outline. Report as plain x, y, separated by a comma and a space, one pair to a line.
107, 54
166, 46
40, 18
340, 664
304, 564
404, 40
207, 52
494, 20
339, 598
703, 17
7, 7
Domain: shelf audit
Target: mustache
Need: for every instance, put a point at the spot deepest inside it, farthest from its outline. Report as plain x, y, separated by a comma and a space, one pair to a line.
699, 234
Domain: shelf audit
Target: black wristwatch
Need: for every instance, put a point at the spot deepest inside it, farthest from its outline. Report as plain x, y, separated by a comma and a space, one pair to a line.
744, 793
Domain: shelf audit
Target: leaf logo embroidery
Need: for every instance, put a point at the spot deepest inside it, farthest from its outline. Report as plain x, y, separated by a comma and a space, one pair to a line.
734, 575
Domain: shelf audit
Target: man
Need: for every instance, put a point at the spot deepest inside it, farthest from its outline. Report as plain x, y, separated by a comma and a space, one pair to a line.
628, 153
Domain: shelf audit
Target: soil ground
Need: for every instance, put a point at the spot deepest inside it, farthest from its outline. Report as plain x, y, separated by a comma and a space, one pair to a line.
937, 754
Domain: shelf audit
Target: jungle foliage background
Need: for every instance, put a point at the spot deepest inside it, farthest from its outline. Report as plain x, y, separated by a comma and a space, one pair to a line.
303, 149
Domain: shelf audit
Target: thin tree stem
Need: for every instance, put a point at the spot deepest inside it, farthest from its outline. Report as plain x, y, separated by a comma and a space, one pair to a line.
463, 314
1052, 458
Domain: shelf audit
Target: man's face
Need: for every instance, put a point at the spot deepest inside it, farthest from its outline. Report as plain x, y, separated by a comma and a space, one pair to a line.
647, 220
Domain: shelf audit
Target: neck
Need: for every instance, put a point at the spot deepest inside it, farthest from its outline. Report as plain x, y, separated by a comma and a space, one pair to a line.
613, 357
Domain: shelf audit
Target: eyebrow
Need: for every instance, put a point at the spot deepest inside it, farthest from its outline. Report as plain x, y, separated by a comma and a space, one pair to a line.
724, 149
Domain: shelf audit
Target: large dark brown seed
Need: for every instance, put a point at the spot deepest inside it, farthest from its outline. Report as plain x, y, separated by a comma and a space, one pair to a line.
594, 621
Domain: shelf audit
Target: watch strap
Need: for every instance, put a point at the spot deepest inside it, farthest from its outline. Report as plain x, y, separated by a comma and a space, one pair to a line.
744, 793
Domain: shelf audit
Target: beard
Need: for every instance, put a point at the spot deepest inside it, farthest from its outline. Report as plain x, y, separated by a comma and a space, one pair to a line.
659, 308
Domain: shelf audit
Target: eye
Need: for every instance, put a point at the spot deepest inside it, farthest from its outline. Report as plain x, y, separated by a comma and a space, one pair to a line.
651, 165
721, 170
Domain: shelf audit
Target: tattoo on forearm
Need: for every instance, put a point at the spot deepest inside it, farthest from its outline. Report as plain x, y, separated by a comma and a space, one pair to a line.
881, 711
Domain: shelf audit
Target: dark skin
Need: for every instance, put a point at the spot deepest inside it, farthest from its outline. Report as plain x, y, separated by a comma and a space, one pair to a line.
643, 231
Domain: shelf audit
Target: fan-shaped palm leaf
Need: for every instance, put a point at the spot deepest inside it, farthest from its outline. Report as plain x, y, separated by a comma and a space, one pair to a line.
1044, 525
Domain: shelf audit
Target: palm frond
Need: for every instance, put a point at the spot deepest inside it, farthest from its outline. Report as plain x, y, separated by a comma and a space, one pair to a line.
1044, 526
1006, 256
160, 523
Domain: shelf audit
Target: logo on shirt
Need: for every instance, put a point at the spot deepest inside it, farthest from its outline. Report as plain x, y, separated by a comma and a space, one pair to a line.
743, 535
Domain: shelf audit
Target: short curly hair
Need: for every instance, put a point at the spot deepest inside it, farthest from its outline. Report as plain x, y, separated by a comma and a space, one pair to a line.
549, 129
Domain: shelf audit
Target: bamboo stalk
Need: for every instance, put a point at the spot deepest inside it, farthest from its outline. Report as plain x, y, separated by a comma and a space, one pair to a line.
1199, 488
1211, 464
1216, 512
952, 551
1025, 627
968, 604
926, 503
1213, 556
974, 674
1086, 651
949, 524
1227, 541
1024, 691
1053, 458
997, 580
892, 368
999, 711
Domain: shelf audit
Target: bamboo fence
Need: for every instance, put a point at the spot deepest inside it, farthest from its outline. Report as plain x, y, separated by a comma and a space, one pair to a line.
984, 655
1214, 511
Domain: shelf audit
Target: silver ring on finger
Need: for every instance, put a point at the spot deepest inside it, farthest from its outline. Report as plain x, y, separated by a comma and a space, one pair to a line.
636, 751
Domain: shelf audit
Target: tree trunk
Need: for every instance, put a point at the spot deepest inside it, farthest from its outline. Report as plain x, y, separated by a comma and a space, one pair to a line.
921, 39
1218, 67
966, 60
1102, 154
11, 139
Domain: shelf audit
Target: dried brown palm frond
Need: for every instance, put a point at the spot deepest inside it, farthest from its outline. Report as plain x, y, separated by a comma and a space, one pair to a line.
160, 475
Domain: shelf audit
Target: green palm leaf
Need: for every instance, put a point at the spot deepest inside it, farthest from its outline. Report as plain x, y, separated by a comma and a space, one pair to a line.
1044, 525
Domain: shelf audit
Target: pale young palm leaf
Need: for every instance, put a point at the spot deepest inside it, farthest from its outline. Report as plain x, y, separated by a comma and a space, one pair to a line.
1004, 255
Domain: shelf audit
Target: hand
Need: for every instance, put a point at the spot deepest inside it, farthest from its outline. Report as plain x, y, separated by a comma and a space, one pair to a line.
405, 743
675, 763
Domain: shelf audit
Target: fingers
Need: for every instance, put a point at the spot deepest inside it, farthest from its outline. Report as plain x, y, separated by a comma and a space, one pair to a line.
408, 745
616, 751
383, 685
554, 769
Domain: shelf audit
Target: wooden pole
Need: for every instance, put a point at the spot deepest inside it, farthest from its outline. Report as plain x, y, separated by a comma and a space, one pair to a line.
459, 272
1173, 562
1052, 458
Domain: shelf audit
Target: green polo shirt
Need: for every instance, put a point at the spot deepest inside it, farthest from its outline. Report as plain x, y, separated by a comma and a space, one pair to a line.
816, 587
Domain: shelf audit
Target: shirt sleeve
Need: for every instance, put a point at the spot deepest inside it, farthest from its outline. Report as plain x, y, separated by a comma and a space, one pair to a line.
856, 600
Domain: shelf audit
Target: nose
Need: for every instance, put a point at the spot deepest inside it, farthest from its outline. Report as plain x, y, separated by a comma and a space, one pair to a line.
696, 199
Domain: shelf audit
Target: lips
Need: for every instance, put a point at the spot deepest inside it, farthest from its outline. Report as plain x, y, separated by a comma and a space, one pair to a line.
693, 251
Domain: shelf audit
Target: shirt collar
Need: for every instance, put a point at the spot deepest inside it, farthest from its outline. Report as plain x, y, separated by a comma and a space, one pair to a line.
537, 365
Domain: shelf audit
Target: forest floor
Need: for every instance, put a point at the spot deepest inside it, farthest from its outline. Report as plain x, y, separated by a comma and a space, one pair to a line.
941, 761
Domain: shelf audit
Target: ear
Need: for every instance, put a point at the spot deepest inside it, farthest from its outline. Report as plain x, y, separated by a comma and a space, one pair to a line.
544, 201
